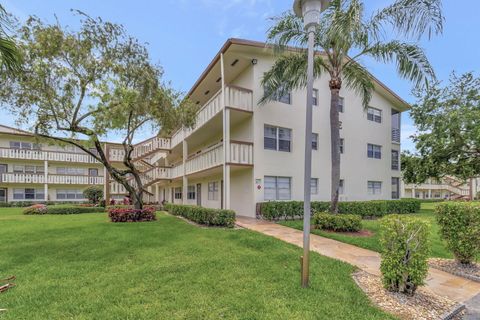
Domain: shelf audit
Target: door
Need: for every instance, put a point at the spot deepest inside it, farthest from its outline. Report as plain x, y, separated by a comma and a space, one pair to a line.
199, 194
3, 195
3, 169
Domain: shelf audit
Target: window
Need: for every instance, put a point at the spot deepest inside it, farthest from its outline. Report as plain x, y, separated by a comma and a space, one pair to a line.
24, 145
276, 138
93, 172
29, 169
314, 186
374, 151
277, 188
28, 194
374, 187
40, 169
395, 160
315, 97
70, 194
213, 190
374, 115
191, 193
15, 144
341, 187
314, 141
342, 145
395, 188
18, 169
341, 104
178, 193
71, 171
281, 95
437, 195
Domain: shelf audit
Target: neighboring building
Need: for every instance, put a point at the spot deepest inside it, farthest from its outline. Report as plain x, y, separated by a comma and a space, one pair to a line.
240, 153
445, 188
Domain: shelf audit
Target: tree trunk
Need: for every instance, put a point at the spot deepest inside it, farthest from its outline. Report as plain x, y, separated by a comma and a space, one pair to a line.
335, 85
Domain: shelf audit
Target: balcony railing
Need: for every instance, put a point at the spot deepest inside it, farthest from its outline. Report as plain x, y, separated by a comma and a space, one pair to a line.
241, 153
11, 153
209, 158
13, 177
396, 135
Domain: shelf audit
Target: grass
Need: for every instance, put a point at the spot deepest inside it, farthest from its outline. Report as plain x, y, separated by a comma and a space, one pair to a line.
438, 248
83, 267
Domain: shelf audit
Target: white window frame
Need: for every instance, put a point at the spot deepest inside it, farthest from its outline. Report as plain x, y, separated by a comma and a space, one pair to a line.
314, 186
315, 97
341, 187
191, 193
276, 180
374, 151
342, 145
177, 193
314, 141
213, 190
341, 104
374, 114
277, 138
395, 160
374, 187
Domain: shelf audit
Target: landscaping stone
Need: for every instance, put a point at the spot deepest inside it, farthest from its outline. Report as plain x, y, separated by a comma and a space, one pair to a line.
471, 271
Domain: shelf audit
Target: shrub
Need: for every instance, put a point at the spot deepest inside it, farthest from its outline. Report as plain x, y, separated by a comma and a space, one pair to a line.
405, 249
337, 222
73, 210
201, 215
35, 209
275, 210
93, 193
131, 215
460, 228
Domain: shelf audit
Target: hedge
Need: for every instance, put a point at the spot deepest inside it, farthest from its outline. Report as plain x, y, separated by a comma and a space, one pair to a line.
337, 222
275, 210
35, 209
74, 210
405, 249
201, 215
460, 228
132, 215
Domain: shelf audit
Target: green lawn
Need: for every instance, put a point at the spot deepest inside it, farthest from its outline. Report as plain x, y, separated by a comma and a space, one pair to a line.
83, 267
437, 245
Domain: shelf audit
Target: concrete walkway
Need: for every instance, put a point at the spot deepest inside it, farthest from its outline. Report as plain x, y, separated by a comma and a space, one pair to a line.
442, 283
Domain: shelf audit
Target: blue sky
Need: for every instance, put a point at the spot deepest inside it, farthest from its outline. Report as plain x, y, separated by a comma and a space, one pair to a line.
184, 35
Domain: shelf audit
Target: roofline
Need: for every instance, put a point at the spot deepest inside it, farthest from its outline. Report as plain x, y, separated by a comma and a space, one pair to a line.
259, 44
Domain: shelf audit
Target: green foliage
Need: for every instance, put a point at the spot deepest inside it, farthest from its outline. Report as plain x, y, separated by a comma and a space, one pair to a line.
73, 210
448, 138
132, 215
35, 209
201, 215
405, 249
93, 193
275, 210
460, 228
10, 57
337, 222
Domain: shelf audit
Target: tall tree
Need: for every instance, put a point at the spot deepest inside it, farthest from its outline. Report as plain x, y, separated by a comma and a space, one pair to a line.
447, 118
10, 58
89, 84
344, 36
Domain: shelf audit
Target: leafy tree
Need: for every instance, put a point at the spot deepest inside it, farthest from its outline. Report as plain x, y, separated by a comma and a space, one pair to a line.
10, 58
345, 36
92, 83
448, 137
94, 194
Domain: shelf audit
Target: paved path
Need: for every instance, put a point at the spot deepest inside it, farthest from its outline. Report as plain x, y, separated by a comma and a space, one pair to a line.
442, 283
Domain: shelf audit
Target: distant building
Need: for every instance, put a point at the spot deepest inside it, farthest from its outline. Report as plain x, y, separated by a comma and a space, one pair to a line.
445, 188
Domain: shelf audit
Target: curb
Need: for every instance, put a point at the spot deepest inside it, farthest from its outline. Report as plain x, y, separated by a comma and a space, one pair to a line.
455, 311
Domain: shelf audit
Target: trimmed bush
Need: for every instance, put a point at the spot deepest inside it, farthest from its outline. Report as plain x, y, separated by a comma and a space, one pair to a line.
337, 222
201, 215
405, 250
275, 210
131, 215
35, 209
460, 228
93, 193
74, 210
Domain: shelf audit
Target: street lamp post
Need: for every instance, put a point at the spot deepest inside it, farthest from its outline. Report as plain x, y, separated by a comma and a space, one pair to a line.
310, 11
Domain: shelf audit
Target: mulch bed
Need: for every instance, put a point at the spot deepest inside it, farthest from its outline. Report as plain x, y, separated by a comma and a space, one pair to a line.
360, 234
424, 305
471, 272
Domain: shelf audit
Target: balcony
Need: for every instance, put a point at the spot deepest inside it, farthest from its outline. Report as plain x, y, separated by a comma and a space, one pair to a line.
209, 158
25, 154
51, 179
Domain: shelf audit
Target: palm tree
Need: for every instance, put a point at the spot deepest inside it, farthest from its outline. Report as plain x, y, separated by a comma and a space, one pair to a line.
10, 59
343, 37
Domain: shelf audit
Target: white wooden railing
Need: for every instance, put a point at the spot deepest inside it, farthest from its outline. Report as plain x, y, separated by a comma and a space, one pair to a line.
67, 179
239, 98
117, 188
63, 156
241, 152
450, 188
149, 146
209, 158
22, 178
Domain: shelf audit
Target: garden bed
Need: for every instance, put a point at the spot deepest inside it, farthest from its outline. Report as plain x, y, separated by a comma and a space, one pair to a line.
471, 272
423, 305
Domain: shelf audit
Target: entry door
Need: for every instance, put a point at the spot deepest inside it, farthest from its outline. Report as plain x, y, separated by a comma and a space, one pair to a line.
3, 169
3, 195
199, 194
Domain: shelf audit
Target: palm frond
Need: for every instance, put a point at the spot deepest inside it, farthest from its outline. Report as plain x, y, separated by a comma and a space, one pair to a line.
10, 58
410, 17
358, 79
411, 61
287, 31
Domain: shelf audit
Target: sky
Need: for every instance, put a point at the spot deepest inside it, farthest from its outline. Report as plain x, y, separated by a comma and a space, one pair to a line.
184, 35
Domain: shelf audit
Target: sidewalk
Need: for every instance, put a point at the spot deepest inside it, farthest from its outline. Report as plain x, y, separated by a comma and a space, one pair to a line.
442, 283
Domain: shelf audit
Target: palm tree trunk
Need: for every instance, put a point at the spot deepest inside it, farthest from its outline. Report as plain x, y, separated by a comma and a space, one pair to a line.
335, 85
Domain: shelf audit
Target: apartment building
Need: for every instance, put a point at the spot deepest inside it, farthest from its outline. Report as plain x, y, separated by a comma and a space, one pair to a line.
449, 187
240, 153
